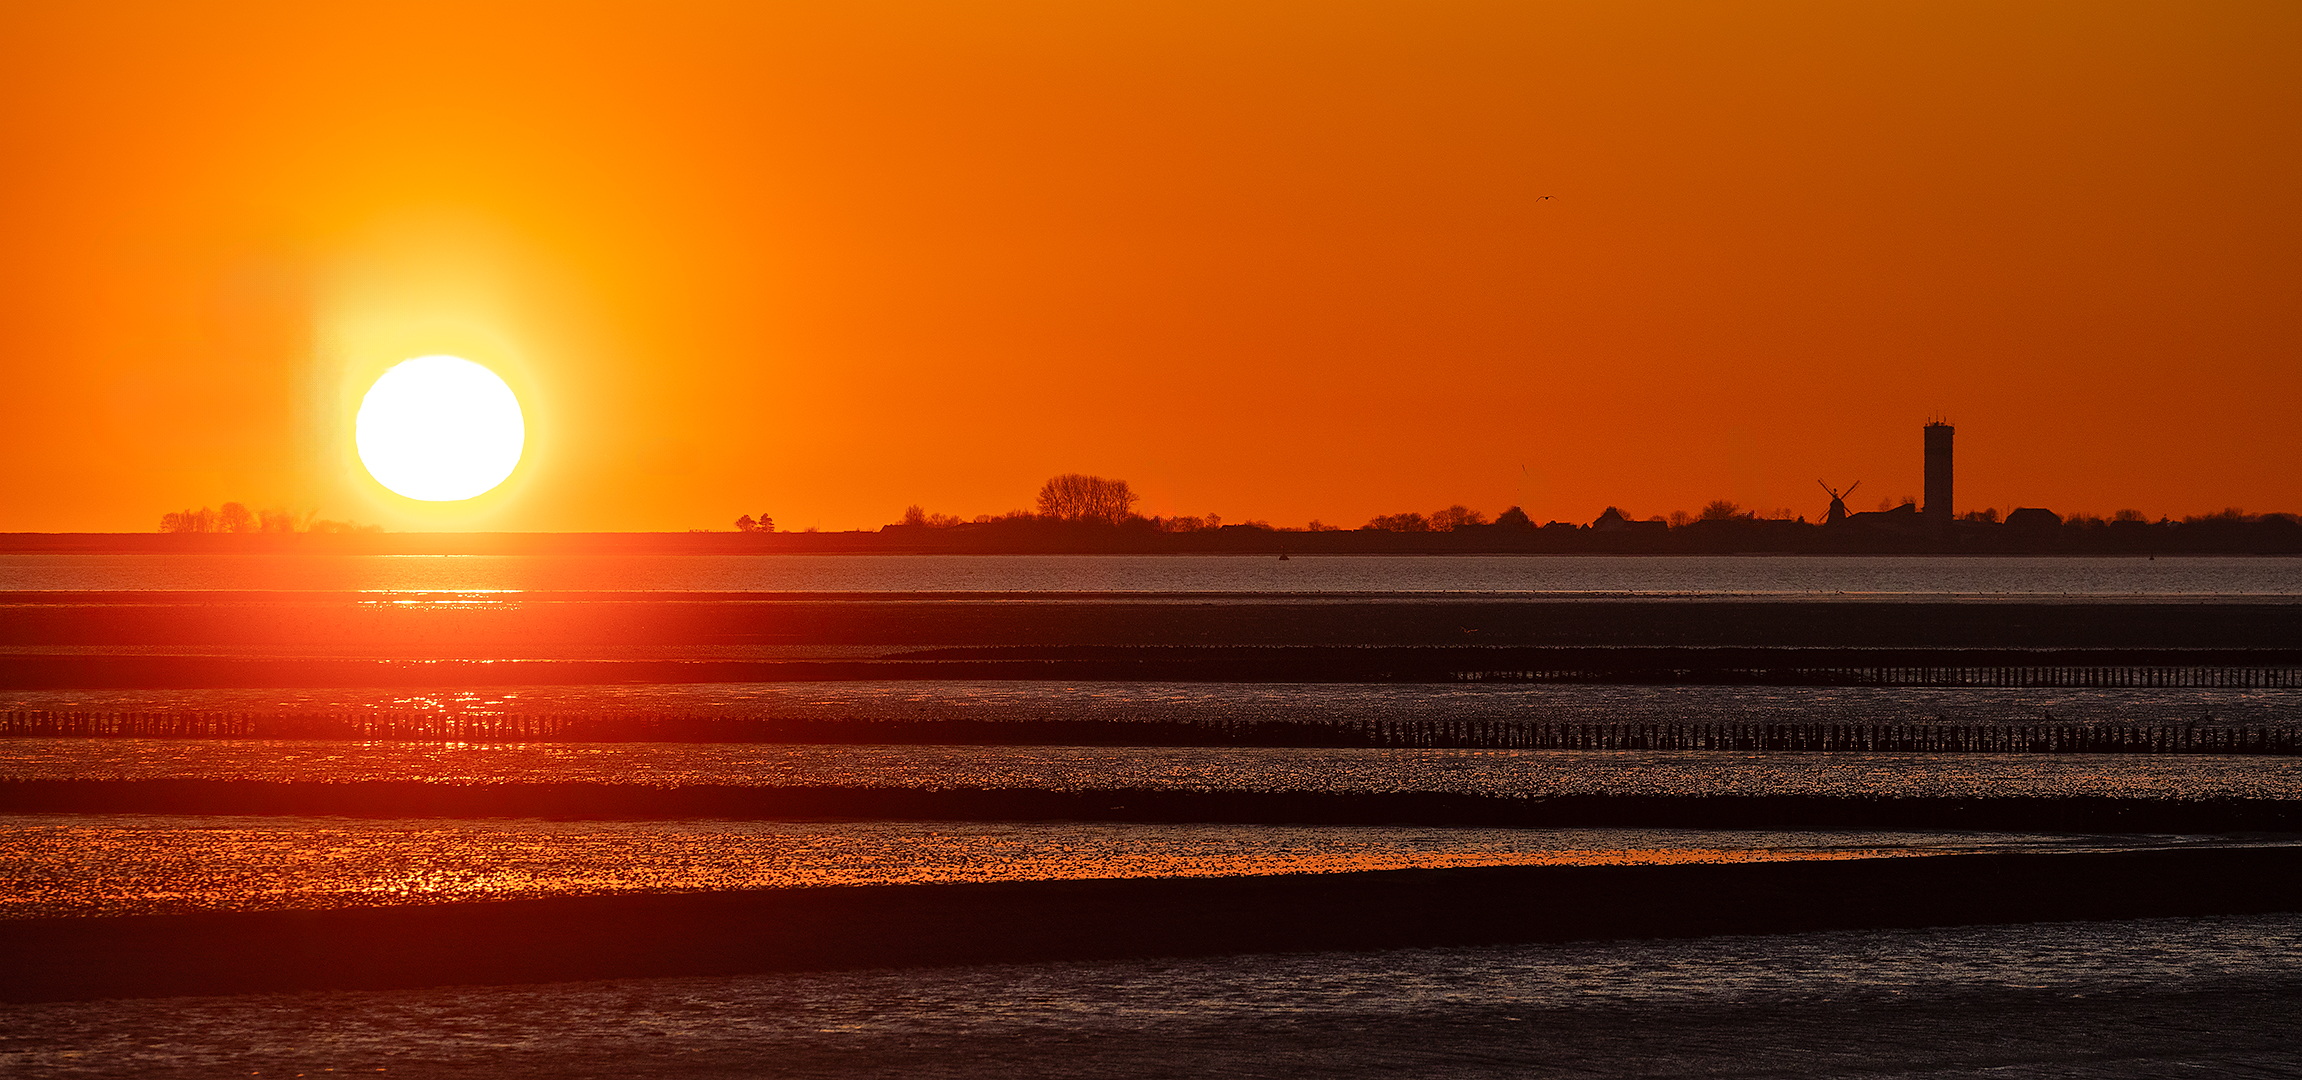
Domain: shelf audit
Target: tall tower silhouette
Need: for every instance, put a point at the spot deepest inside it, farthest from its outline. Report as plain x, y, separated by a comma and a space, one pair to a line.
1937, 508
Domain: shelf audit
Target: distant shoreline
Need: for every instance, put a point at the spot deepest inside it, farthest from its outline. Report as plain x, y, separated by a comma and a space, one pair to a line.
1105, 540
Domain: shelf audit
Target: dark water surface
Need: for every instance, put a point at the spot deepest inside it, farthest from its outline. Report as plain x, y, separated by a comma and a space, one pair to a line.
1200, 702
1075, 768
1646, 575
2146, 998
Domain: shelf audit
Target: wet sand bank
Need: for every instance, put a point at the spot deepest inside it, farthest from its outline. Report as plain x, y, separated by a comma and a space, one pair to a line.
943, 924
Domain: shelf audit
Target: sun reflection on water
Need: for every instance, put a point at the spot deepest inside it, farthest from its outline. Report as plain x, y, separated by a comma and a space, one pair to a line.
132, 864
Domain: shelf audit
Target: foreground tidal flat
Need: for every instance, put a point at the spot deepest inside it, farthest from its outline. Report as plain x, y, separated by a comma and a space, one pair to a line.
828, 884
2109, 1000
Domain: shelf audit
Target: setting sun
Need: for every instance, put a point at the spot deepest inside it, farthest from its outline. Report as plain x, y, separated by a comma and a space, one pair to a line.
440, 429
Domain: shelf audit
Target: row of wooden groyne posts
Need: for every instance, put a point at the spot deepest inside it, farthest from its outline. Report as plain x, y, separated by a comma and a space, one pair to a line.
427, 726
2071, 676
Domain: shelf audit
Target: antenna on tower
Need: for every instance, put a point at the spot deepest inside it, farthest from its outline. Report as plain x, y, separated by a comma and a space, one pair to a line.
1837, 502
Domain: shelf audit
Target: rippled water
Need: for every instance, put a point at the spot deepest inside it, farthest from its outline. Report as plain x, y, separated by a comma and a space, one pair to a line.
2145, 998
1074, 768
1566, 574
145, 864
1311, 702
2211, 997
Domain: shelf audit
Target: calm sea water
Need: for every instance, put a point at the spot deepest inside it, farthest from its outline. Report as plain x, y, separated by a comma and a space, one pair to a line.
1547, 574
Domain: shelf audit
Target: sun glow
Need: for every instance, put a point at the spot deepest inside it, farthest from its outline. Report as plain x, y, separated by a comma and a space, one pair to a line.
439, 429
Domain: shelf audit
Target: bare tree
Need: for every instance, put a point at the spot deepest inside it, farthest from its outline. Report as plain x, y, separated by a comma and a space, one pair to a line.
1078, 497
1455, 517
237, 518
1721, 510
1404, 523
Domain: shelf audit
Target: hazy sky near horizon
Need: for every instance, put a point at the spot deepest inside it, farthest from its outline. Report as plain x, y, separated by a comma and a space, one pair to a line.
1271, 260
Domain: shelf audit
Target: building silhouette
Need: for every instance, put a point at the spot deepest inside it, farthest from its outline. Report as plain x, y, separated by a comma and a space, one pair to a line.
1937, 509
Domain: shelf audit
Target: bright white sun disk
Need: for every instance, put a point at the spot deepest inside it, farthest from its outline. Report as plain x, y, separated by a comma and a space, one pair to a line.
439, 429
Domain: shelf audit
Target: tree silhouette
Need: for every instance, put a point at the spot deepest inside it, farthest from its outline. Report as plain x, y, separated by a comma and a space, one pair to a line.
237, 518
1455, 517
1403, 523
1078, 497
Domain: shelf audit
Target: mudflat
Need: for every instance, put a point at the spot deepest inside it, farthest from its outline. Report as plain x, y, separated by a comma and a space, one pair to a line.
804, 929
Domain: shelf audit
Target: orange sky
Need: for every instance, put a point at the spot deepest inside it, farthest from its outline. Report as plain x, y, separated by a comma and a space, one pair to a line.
1273, 260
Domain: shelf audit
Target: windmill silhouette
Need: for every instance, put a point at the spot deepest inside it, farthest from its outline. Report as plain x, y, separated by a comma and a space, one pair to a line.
1838, 502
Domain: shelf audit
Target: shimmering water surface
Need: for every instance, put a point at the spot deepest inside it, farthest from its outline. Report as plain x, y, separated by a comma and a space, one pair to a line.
1311, 702
2155, 998
144, 864
1724, 575
1074, 768
2150, 998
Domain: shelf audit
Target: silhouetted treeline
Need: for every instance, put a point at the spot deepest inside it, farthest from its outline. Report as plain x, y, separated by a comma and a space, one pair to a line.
2271, 536
1078, 513
1459, 530
237, 518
